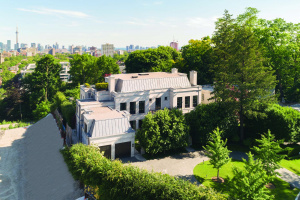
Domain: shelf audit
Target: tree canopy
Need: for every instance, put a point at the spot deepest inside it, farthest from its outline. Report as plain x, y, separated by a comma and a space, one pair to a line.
161, 59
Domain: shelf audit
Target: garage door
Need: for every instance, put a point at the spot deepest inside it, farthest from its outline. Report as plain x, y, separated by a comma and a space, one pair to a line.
107, 150
123, 150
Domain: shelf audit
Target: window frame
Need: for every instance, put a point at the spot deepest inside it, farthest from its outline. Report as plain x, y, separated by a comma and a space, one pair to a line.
121, 106
195, 102
187, 101
142, 109
157, 107
131, 110
178, 102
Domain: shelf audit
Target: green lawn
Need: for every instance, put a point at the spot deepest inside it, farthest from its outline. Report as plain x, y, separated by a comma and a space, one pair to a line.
292, 165
204, 173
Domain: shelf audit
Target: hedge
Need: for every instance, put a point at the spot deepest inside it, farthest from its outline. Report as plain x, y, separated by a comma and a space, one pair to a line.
68, 112
117, 181
283, 122
101, 86
207, 117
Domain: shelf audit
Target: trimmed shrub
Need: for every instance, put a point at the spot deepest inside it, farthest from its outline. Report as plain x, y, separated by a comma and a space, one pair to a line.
68, 112
207, 117
101, 86
165, 130
59, 99
283, 122
117, 181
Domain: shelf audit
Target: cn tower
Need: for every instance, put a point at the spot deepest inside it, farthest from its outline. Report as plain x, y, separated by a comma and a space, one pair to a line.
17, 36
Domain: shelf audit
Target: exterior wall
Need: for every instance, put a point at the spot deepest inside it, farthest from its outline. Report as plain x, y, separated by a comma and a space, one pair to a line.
113, 140
206, 94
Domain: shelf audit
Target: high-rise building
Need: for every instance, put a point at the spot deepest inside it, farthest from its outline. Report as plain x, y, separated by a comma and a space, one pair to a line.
33, 45
137, 47
174, 45
1, 46
17, 39
108, 49
77, 50
52, 52
8, 45
127, 48
23, 45
131, 47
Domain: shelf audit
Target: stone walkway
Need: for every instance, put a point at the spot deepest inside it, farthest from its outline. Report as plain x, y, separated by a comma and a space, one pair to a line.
181, 165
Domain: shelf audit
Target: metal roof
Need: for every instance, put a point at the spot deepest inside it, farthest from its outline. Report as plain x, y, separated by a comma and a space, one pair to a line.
161, 82
109, 127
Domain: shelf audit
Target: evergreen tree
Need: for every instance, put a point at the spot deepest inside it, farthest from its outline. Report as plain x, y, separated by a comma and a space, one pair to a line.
249, 183
267, 151
217, 150
240, 76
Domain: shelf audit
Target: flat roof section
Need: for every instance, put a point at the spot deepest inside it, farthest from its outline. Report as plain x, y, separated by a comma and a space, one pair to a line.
103, 113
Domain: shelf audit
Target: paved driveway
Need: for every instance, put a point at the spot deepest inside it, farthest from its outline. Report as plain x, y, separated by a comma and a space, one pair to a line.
181, 165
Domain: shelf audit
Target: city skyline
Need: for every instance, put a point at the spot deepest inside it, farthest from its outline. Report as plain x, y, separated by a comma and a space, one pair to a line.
144, 23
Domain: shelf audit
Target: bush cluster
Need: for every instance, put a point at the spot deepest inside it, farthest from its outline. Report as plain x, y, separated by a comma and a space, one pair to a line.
283, 122
117, 181
207, 117
101, 86
66, 108
165, 130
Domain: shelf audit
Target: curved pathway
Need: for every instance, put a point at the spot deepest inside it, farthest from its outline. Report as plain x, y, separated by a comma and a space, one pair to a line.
181, 165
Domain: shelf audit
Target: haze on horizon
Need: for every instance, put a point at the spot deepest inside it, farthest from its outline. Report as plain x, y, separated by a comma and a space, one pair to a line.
138, 22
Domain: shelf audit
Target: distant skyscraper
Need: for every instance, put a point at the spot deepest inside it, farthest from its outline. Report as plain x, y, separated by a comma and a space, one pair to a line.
127, 48
137, 47
33, 45
23, 45
1, 46
131, 47
108, 49
52, 52
174, 45
8, 45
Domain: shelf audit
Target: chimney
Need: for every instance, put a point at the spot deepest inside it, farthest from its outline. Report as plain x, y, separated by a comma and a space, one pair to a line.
174, 70
193, 77
111, 83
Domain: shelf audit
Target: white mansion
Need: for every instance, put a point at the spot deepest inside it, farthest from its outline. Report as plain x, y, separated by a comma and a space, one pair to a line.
109, 118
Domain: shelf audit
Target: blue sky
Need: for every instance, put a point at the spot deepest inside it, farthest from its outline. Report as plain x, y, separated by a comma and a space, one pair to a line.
138, 22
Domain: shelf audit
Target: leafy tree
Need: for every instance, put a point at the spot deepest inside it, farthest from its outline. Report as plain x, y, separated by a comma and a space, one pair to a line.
44, 82
281, 48
267, 150
42, 110
6, 75
106, 65
82, 68
163, 131
241, 78
201, 123
152, 60
198, 56
217, 150
249, 183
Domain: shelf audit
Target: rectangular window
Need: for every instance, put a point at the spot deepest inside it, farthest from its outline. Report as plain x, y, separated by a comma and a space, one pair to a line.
133, 124
202, 97
187, 102
142, 107
166, 98
158, 104
150, 100
85, 128
132, 107
123, 106
195, 101
179, 102
140, 123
